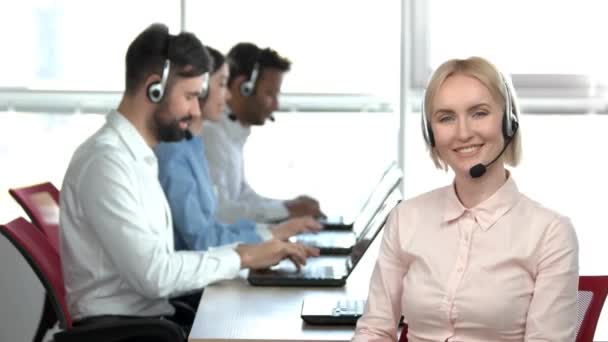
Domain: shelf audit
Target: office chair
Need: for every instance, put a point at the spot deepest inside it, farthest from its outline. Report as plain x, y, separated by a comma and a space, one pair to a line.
41, 204
592, 292
403, 336
44, 260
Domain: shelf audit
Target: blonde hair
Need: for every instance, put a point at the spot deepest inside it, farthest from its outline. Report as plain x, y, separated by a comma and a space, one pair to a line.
486, 73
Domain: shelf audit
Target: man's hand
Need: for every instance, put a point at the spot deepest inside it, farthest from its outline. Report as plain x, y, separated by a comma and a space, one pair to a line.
271, 252
291, 227
304, 206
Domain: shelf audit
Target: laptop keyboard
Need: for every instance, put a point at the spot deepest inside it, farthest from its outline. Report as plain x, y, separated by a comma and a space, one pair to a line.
326, 240
349, 307
324, 272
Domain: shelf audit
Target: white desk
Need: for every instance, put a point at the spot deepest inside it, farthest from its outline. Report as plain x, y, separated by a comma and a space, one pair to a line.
236, 311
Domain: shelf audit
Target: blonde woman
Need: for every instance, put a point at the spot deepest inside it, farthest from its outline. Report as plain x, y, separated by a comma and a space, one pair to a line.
476, 260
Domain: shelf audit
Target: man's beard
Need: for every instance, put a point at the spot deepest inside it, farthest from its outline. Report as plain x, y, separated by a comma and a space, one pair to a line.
256, 118
169, 131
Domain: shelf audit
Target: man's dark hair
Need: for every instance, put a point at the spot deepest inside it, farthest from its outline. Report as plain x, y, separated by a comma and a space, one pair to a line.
243, 56
147, 54
217, 59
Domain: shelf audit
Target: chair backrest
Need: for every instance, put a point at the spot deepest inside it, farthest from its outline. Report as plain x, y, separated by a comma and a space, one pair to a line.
44, 260
41, 204
403, 336
592, 292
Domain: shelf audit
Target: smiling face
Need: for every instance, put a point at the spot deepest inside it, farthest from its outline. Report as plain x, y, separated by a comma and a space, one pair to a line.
265, 99
212, 106
467, 124
172, 117
218, 95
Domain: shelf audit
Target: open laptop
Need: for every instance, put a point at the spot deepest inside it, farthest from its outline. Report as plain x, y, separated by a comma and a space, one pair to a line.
390, 179
325, 271
341, 242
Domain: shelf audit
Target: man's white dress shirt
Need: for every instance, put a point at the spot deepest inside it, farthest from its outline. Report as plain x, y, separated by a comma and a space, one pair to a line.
117, 250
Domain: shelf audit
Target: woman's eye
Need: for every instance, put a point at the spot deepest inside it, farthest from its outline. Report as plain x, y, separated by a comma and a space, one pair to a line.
445, 118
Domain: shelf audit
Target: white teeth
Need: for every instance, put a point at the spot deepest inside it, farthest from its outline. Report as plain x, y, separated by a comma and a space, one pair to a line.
467, 149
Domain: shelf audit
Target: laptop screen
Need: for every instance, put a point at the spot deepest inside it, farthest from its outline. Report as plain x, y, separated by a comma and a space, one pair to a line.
389, 182
370, 233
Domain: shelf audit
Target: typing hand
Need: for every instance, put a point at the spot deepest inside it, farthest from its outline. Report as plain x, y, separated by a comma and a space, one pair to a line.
271, 252
291, 227
303, 206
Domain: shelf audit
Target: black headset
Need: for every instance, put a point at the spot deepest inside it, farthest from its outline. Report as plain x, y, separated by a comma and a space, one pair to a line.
248, 87
509, 120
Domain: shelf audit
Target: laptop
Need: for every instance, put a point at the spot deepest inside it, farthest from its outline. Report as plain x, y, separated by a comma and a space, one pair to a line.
324, 311
341, 242
333, 311
325, 271
390, 179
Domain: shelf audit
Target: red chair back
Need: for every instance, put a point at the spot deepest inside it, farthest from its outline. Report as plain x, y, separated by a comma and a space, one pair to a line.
41, 204
403, 336
44, 260
592, 292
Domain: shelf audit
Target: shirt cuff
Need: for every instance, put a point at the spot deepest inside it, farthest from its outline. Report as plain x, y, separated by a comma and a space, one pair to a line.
230, 261
264, 231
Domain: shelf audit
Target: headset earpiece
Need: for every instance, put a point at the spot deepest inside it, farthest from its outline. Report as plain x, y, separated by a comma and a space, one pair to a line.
509, 121
248, 87
156, 90
427, 131
205, 88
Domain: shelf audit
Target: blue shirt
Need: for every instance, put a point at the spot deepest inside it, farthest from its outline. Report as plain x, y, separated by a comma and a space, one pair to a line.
184, 176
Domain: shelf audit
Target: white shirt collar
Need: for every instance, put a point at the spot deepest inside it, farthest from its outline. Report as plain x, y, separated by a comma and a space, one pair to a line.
134, 142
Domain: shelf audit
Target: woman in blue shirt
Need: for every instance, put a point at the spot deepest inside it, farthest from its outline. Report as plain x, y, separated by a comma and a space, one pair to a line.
184, 176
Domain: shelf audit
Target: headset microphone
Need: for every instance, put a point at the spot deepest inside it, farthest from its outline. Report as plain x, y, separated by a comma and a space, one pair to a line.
188, 134
232, 117
479, 170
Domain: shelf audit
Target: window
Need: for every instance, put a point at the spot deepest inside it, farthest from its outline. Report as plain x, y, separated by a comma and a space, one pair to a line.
71, 44
552, 48
336, 47
523, 37
335, 157
341, 128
